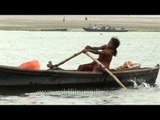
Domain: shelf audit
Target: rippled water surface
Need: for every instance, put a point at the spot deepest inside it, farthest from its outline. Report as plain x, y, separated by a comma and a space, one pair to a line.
17, 47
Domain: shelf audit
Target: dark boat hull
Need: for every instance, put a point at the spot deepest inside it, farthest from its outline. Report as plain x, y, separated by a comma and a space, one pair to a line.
25, 79
100, 30
58, 29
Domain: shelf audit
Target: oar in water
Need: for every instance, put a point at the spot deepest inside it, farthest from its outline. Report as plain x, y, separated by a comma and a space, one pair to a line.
109, 72
62, 62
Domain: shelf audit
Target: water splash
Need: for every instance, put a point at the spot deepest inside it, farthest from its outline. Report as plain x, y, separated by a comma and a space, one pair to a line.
141, 84
135, 85
145, 85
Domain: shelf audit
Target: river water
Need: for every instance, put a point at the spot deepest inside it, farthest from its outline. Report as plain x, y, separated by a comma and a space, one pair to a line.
17, 47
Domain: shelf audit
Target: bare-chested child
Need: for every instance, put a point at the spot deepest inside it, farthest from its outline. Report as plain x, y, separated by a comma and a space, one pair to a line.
105, 55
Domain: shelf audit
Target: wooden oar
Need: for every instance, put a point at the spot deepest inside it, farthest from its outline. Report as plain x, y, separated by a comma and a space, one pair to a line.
109, 72
62, 62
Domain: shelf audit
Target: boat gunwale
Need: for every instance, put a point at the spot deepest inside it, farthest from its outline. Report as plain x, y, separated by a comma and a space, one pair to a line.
31, 71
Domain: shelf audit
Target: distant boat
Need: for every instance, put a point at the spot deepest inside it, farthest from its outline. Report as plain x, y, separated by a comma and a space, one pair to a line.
55, 29
103, 29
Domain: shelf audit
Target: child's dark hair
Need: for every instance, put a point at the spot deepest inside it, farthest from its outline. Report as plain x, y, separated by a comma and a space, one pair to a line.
116, 43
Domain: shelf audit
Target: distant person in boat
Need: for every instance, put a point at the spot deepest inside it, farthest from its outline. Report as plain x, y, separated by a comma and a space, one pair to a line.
103, 27
95, 26
90, 26
105, 53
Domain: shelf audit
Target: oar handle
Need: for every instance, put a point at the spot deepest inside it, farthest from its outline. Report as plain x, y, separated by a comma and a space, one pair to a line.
109, 72
62, 62
74, 55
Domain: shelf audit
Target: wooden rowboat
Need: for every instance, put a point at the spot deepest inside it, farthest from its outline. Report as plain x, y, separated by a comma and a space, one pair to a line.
18, 78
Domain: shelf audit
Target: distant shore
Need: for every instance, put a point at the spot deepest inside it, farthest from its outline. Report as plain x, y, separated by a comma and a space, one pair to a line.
76, 22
